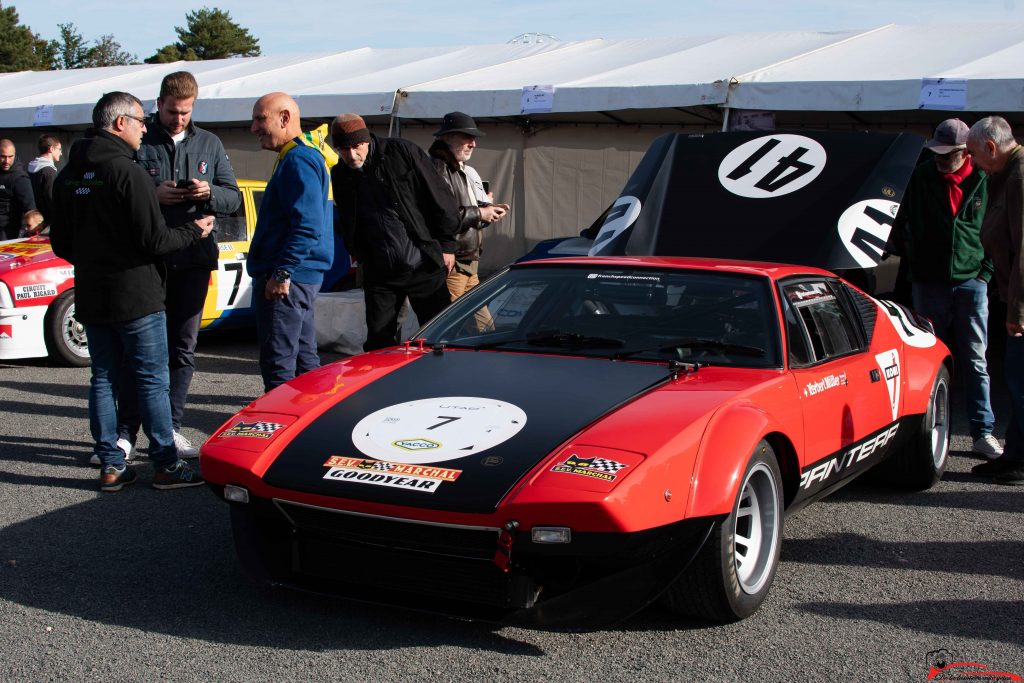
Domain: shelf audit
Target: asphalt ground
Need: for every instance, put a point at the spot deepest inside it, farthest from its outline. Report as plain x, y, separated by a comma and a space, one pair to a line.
144, 585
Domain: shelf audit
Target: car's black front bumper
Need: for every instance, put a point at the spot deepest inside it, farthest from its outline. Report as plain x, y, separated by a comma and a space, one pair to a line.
596, 579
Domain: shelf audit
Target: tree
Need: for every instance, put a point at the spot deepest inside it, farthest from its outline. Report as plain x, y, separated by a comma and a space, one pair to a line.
210, 34
20, 48
107, 52
72, 53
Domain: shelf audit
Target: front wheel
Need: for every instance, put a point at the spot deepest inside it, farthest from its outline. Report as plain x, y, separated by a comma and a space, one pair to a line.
65, 336
731, 575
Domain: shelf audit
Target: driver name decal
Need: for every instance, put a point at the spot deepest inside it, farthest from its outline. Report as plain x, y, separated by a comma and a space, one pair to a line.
825, 383
390, 474
772, 166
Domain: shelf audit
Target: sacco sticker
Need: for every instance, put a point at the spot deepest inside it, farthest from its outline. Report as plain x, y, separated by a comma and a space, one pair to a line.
437, 429
22, 292
772, 166
889, 364
598, 468
864, 229
254, 430
394, 475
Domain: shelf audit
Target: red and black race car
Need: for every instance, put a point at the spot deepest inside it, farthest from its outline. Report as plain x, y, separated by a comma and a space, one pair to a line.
576, 437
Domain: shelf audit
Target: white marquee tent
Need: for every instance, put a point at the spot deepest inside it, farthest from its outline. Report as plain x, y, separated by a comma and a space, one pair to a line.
609, 98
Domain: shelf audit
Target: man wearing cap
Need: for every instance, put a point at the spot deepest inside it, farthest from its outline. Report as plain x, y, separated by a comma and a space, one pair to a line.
398, 219
996, 152
455, 143
938, 228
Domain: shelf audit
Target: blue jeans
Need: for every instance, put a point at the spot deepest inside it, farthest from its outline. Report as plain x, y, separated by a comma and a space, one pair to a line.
962, 310
286, 332
1014, 449
186, 293
142, 345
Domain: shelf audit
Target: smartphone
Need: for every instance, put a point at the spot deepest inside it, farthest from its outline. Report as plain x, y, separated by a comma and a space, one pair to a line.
184, 185
487, 186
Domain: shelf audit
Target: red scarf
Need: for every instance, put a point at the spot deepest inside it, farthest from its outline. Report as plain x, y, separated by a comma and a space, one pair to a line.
953, 180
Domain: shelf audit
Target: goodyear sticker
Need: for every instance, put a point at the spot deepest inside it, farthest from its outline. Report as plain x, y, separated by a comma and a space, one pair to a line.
421, 478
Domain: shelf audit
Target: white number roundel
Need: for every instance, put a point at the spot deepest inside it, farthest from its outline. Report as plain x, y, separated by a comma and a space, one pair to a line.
772, 166
433, 430
864, 228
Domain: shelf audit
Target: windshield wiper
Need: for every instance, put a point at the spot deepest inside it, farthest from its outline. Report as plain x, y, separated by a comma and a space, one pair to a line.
702, 343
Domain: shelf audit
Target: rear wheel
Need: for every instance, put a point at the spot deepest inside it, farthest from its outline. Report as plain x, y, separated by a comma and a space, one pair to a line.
731, 575
921, 463
65, 336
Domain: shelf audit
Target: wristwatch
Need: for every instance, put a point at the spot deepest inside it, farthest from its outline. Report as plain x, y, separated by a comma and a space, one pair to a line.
281, 275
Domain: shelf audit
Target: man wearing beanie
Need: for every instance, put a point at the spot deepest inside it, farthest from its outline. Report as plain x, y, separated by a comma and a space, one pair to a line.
293, 245
454, 146
398, 219
938, 228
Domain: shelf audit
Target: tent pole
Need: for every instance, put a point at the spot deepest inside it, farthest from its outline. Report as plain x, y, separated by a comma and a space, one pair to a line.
394, 125
725, 119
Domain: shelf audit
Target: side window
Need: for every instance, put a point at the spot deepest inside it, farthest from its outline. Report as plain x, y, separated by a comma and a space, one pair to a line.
814, 307
232, 228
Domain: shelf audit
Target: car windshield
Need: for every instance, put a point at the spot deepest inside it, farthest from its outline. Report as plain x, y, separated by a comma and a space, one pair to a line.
619, 313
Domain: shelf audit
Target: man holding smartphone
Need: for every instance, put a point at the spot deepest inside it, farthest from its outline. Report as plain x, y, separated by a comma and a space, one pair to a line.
193, 178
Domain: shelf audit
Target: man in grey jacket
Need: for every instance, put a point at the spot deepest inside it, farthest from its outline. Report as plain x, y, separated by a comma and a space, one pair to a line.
193, 178
996, 152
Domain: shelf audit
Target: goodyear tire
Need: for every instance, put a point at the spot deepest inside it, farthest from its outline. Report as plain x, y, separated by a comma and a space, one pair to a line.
65, 336
921, 463
732, 573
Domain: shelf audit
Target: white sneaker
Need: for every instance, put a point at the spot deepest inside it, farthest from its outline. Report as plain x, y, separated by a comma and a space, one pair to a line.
988, 446
186, 451
126, 447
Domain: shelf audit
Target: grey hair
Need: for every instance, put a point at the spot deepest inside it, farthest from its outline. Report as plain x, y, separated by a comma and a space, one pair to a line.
994, 128
111, 106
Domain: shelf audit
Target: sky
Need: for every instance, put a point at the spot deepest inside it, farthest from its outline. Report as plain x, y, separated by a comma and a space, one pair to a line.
336, 25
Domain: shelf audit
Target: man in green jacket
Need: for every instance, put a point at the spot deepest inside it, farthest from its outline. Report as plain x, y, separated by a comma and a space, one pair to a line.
938, 229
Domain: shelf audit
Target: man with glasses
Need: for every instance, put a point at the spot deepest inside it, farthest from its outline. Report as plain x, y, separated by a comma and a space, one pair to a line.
938, 228
193, 177
107, 223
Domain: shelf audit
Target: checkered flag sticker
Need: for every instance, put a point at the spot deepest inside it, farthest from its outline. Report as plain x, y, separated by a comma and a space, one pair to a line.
264, 426
383, 466
605, 465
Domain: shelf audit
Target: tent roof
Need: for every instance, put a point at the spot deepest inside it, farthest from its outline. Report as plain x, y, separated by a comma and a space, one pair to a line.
875, 70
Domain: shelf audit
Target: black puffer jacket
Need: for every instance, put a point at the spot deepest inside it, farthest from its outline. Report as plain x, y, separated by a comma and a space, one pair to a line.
107, 223
15, 199
470, 239
405, 176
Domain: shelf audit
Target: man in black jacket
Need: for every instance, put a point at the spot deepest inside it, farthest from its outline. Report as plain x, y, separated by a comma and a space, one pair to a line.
107, 223
193, 177
15, 192
398, 219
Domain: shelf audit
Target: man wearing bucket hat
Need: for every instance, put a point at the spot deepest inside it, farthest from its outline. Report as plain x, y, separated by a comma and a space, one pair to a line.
939, 225
454, 146
398, 220
994, 147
